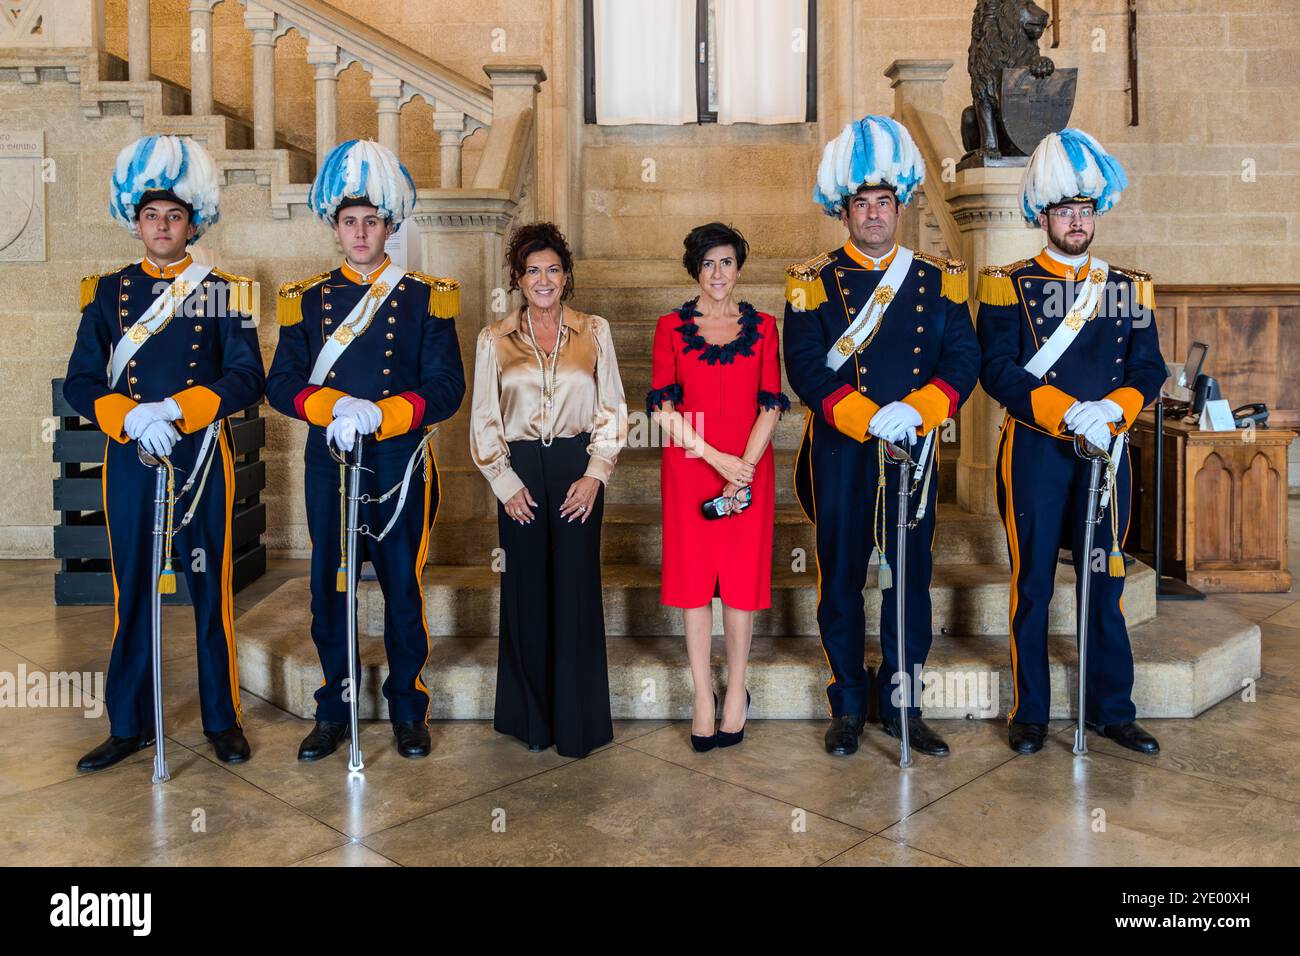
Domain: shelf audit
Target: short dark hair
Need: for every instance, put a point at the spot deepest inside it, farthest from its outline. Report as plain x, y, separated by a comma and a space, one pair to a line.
844, 206
537, 237
164, 195
701, 239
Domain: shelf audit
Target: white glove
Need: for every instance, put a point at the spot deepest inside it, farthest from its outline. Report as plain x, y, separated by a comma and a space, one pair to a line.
1098, 435
342, 433
160, 438
365, 414
1082, 417
142, 416
894, 422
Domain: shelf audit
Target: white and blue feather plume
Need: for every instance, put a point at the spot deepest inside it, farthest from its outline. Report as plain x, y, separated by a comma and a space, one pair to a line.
362, 168
170, 164
1067, 165
874, 150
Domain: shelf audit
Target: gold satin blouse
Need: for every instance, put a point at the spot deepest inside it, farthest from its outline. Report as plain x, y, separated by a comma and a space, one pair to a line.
507, 403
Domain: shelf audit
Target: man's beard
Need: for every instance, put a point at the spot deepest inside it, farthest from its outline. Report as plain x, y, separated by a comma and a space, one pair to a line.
1072, 247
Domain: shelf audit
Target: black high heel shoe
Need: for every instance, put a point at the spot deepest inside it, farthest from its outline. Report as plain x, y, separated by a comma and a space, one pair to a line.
701, 743
728, 739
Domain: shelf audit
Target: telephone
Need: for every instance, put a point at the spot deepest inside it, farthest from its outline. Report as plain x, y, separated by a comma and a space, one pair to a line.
1254, 415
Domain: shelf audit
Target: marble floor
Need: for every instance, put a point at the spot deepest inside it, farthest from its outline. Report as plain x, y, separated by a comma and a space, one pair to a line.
1225, 790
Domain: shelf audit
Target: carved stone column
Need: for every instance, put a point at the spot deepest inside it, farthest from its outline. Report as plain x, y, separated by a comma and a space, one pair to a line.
387, 91
324, 57
450, 125
138, 64
201, 57
262, 24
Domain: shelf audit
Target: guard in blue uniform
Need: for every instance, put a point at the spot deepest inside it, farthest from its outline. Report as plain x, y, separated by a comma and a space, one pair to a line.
166, 350
879, 346
1070, 348
368, 352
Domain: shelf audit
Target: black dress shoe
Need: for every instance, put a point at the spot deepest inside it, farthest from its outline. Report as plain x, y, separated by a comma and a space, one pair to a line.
231, 745
323, 740
1026, 738
728, 738
919, 735
842, 735
113, 750
1132, 736
412, 738
703, 743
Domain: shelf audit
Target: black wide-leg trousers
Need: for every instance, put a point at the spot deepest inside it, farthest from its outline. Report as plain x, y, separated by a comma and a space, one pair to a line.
552, 676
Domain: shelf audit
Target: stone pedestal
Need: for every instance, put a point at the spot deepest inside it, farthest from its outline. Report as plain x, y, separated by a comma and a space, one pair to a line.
985, 203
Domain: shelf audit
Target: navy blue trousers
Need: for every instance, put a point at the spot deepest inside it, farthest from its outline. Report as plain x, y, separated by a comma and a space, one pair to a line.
843, 484
1042, 490
202, 552
398, 561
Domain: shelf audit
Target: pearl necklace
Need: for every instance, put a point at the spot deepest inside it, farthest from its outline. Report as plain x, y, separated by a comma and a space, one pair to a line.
548, 389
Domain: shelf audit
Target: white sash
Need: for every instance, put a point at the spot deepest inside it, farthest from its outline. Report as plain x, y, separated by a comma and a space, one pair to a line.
155, 318
357, 321
877, 305
1084, 308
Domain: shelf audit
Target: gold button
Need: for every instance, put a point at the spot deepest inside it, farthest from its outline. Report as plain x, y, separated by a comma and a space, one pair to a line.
388, 335
401, 287
840, 273
134, 380
208, 284
1033, 302
920, 329
862, 388
1051, 375
385, 391
387, 372
852, 310
1119, 321
920, 274
1118, 361
124, 312
920, 309
916, 371
917, 350
198, 328
126, 298
1039, 321
393, 303
189, 381
392, 320
327, 290
862, 369
131, 363
331, 374
194, 364
203, 298
326, 307
195, 346
136, 397
921, 290
1120, 339
328, 322
126, 282
388, 353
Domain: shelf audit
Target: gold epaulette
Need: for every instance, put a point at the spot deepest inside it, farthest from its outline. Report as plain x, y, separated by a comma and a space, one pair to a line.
803, 285
288, 307
88, 286
953, 284
995, 286
1143, 287
242, 297
444, 295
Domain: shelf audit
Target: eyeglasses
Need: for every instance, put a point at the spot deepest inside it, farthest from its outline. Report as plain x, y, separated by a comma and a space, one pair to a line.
1064, 214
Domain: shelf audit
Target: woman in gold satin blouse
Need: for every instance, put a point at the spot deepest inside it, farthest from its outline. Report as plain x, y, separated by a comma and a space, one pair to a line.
547, 422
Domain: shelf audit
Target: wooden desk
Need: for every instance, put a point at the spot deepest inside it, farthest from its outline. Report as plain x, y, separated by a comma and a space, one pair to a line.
1225, 504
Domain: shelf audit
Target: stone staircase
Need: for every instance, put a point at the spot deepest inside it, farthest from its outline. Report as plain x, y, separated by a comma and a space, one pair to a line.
648, 676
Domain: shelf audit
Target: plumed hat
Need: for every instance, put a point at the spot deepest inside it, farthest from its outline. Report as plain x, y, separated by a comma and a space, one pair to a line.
165, 167
1070, 166
362, 172
874, 151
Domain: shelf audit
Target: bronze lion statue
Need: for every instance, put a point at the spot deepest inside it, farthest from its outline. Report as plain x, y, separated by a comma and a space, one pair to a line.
1004, 35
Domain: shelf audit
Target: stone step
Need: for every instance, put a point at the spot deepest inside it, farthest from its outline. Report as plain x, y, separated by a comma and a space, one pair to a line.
972, 599
1185, 660
632, 534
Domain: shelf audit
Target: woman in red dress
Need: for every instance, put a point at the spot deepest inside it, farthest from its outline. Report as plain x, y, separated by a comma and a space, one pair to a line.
717, 396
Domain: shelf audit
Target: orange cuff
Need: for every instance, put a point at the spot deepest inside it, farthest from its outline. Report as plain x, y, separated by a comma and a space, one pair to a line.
932, 403
318, 407
1050, 405
853, 413
110, 413
1131, 400
398, 414
198, 408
